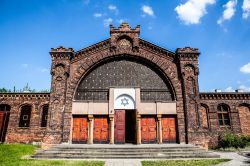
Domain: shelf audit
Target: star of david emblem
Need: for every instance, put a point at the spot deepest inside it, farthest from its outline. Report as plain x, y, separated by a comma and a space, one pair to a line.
124, 101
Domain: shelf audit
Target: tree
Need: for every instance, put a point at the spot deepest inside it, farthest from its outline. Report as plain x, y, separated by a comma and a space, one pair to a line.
3, 90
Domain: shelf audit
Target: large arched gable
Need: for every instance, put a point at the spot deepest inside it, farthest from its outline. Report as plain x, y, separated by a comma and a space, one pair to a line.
125, 71
166, 67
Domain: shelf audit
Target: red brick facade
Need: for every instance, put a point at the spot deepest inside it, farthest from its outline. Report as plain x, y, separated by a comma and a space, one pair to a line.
33, 133
197, 114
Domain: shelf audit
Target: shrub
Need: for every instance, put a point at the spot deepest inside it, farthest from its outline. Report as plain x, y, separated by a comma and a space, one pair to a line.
229, 140
246, 139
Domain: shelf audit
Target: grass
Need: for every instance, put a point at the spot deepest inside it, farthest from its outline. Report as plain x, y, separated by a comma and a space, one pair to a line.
14, 154
205, 162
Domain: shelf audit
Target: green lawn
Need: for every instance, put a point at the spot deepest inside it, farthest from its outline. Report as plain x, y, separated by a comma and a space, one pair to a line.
206, 162
11, 155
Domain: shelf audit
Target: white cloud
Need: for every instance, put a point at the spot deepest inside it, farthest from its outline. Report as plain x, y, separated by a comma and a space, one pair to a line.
244, 88
229, 89
107, 22
147, 10
228, 13
245, 68
113, 8
193, 10
246, 9
98, 15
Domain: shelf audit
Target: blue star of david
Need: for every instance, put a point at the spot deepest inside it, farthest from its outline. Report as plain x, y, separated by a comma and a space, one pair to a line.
124, 101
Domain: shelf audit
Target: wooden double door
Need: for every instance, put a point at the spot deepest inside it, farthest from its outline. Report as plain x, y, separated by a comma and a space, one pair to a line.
125, 126
80, 129
169, 129
101, 129
148, 129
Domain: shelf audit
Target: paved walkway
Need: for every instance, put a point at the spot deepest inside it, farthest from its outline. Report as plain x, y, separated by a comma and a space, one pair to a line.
123, 162
237, 160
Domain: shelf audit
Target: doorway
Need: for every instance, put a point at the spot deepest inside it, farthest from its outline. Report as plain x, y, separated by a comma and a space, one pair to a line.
130, 125
125, 126
4, 120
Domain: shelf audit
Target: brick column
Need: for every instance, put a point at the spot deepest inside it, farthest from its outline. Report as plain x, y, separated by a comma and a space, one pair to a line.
188, 66
60, 70
138, 129
112, 129
91, 129
159, 129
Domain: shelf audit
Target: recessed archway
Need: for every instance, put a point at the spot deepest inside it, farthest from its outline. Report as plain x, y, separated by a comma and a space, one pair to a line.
244, 114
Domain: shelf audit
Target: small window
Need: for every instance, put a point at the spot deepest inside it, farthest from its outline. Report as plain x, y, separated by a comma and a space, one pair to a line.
25, 116
44, 116
223, 115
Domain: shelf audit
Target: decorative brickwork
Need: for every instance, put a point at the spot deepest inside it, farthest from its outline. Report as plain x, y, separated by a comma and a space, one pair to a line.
129, 61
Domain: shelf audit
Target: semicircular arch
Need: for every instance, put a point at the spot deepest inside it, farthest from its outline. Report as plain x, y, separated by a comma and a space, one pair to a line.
124, 71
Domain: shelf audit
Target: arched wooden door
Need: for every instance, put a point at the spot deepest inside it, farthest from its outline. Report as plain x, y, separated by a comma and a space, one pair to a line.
4, 120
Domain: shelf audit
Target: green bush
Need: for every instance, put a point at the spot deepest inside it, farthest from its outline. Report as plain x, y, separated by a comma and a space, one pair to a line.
229, 140
246, 139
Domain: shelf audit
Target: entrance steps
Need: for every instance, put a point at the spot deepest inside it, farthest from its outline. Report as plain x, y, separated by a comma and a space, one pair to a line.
127, 151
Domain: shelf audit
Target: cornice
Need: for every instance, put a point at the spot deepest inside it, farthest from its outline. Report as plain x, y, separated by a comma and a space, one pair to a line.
25, 95
61, 53
105, 44
225, 96
188, 54
156, 49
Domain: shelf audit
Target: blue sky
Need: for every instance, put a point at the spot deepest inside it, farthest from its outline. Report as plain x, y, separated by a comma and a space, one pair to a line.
219, 28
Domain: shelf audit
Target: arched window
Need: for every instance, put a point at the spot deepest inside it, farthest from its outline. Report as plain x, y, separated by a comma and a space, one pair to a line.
44, 116
223, 115
25, 116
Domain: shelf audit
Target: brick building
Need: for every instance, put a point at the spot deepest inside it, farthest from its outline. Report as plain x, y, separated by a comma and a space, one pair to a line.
123, 90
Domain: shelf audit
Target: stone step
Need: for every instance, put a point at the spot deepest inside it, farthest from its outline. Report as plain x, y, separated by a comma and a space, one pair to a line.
99, 146
123, 152
122, 156
126, 150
